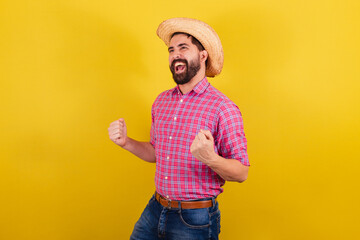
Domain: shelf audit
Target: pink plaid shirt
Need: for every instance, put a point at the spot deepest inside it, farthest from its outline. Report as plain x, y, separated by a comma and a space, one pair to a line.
176, 119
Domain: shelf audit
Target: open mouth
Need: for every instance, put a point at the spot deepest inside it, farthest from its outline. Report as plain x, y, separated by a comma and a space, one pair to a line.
179, 67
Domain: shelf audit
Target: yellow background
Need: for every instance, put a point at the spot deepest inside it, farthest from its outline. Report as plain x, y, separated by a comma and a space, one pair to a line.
70, 68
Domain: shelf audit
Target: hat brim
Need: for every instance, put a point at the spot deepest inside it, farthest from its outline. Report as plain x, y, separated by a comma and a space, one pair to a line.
202, 32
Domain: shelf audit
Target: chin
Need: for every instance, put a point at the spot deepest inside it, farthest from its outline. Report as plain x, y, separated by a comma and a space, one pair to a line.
181, 80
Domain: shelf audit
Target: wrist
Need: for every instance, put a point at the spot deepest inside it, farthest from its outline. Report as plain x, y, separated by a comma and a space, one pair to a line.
127, 144
213, 160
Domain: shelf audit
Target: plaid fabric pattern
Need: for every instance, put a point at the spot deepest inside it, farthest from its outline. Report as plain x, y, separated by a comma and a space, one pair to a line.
176, 119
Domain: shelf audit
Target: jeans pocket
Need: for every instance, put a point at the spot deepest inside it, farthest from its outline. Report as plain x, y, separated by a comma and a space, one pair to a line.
195, 218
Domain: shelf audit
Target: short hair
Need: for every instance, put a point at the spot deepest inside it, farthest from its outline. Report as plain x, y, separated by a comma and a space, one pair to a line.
193, 40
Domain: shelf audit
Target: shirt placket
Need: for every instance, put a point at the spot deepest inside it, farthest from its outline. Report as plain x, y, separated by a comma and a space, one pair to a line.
178, 99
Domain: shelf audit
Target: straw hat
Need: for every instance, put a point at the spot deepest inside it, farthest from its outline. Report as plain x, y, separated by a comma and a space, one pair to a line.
202, 32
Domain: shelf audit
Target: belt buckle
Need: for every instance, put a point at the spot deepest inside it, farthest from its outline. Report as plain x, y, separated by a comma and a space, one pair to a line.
169, 204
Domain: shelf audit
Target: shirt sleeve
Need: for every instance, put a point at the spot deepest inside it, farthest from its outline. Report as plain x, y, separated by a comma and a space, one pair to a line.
230, 140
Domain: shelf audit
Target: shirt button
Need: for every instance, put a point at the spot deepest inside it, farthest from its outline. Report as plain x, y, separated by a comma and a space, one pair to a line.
166, 178
168, 157
170, 137
174, 118
181, 100
167, 196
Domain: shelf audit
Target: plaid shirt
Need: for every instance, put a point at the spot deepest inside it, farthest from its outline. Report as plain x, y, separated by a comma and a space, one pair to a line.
176, 119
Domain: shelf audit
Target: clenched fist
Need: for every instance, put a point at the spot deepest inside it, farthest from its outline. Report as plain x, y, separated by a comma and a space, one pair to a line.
202, 148
118, 132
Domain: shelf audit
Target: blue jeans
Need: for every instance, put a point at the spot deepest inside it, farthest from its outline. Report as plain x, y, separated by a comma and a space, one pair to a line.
158, 222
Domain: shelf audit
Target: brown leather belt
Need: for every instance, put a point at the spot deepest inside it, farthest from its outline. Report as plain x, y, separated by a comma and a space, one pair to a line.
184, 204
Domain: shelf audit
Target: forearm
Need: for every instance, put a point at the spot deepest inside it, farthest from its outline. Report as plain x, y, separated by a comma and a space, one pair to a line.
229, 169
143, 150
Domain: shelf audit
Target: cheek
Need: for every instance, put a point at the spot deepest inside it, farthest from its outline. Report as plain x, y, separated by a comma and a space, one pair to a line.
171, 58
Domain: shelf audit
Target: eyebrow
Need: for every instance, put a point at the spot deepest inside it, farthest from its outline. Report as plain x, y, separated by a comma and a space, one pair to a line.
180, 45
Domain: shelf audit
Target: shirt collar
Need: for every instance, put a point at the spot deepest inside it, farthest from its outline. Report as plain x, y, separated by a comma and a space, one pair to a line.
199, 88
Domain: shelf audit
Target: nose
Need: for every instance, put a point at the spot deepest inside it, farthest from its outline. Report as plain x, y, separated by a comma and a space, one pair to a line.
175, 55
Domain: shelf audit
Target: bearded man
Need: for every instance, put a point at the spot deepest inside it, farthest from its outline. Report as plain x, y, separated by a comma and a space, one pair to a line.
197, 139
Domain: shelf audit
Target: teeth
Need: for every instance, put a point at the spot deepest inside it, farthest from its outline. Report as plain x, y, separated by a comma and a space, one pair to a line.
178, 64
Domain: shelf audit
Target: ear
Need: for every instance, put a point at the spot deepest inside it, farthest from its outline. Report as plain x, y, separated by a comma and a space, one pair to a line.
203, 55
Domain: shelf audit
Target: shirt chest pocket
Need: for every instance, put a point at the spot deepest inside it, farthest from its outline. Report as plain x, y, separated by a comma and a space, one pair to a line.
181, 127
190, 128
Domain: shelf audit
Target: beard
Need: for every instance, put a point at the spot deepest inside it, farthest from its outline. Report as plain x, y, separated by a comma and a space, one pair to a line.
190, 71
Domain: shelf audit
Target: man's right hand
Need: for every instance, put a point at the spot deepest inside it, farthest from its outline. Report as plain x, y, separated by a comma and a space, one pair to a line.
118, 132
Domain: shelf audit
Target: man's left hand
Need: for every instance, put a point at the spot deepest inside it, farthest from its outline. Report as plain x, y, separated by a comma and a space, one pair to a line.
202, 148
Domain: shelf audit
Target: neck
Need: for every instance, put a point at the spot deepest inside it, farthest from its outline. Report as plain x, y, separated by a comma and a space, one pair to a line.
187, 87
